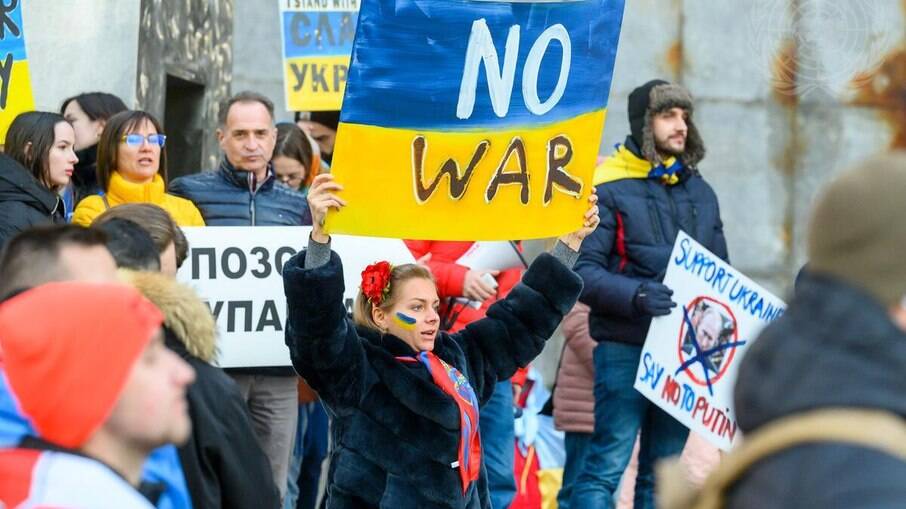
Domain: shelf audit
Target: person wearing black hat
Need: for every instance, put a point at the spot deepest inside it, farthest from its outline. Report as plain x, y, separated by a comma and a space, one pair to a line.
648, 190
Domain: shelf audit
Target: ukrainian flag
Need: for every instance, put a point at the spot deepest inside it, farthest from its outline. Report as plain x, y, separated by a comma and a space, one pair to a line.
428, 154
14, 63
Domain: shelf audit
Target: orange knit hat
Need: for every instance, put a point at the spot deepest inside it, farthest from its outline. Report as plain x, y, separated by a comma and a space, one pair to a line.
68, 348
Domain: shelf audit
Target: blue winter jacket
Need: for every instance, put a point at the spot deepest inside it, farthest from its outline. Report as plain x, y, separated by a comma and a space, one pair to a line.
640, 218
227, 197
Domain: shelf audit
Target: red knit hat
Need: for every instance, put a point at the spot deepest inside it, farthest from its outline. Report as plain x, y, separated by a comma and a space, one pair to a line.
68, 348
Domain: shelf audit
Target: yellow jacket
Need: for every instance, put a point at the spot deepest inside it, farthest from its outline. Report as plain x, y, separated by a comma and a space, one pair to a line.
121, 191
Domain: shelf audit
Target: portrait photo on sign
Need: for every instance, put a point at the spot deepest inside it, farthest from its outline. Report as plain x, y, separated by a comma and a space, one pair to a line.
707, 335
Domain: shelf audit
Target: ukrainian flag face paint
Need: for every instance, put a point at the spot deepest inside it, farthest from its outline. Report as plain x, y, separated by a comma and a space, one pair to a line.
404, 321
414, 318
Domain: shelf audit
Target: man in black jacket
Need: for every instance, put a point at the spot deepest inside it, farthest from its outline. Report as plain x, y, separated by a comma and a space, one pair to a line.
841, 344
224, 465
648, 190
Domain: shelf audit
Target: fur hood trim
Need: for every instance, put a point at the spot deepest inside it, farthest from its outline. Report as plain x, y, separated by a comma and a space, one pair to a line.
187, 317
664, 97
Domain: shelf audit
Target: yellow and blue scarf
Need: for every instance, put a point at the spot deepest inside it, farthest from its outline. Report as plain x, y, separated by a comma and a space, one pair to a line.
623, 164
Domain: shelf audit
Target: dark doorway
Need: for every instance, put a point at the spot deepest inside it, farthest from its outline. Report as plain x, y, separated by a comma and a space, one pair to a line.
183, 123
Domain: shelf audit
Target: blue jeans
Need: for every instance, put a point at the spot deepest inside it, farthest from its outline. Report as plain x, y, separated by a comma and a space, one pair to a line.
498, 442
576, 445
621, 413
309, 452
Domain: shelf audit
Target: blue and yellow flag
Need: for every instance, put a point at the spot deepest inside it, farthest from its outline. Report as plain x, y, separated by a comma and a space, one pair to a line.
317, 42
473, 120
15, 82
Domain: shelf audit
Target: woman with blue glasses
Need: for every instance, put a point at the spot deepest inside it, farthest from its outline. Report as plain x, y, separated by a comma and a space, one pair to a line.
132, 168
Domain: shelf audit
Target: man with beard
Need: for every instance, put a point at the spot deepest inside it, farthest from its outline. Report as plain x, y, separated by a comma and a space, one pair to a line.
648, 190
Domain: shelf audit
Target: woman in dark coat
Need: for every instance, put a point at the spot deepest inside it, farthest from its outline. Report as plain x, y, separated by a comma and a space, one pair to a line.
403, 394
38, 163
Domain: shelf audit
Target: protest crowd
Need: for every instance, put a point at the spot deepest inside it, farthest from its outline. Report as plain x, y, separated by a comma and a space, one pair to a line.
421, 392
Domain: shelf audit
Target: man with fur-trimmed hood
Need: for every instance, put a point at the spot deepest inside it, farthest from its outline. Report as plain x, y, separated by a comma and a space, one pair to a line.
648, 190
224, 465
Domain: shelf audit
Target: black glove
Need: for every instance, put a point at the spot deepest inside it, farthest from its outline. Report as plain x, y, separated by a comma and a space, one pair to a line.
653, 299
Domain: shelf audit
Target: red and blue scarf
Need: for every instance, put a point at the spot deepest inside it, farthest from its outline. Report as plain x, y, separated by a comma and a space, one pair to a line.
455, 385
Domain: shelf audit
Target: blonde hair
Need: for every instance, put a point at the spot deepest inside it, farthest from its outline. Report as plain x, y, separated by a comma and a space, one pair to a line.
362, 311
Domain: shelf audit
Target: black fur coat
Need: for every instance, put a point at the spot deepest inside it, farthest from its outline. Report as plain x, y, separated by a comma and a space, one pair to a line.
397, 433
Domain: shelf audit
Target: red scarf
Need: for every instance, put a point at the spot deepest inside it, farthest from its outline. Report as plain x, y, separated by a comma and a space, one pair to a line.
455, 385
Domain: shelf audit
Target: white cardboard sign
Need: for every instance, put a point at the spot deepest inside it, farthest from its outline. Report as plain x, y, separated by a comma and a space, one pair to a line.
492, 255
691, 357
238, 271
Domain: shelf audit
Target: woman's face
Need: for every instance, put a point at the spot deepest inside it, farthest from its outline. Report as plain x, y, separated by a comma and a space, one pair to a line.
138, 163
61, 159
87, 131
414, 317
289, 171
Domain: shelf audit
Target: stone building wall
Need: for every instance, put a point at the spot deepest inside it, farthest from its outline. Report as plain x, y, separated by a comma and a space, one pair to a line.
789, 93
186, 50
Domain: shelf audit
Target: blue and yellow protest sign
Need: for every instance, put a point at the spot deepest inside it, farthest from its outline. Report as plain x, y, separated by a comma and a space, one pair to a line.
317, 42
15, 82
473, 120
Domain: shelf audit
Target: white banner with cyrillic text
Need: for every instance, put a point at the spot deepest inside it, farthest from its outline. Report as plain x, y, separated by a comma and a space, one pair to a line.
238, 272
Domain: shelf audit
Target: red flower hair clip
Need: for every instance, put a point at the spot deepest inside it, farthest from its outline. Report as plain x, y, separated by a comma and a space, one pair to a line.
376, 282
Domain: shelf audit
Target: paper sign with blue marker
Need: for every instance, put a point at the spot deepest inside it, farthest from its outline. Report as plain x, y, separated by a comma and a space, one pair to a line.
691, 357
473, 120
15, 81
317, 42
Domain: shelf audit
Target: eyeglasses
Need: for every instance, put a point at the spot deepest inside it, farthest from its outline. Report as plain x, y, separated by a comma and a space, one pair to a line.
136, 140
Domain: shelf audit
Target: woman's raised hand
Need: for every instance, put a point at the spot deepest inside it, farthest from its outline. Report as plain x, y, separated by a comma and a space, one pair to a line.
321, 198
591, 220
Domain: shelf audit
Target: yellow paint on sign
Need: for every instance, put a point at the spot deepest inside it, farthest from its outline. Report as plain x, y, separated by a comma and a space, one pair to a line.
19, 98
389, 178
315, 83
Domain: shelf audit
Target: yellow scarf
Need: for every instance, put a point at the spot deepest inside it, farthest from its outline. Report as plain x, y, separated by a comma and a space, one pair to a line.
623, 164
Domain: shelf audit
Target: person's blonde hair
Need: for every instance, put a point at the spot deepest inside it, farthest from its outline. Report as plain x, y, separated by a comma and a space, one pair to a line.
361, 312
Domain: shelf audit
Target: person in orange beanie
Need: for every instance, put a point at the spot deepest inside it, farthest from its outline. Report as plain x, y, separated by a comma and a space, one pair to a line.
101, 389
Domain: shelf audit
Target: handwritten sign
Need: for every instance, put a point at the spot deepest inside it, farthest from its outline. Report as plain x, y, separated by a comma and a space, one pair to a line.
15, 81
473, 120
317, 42
238, 271
691, 357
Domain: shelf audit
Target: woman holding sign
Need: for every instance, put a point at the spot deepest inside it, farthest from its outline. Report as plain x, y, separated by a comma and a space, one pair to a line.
405, 395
